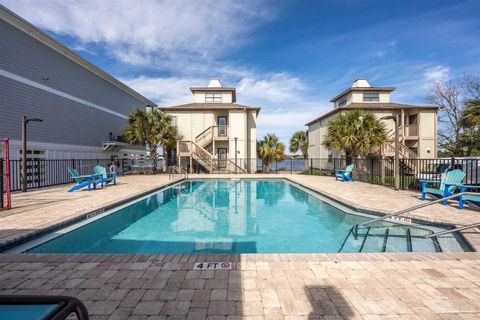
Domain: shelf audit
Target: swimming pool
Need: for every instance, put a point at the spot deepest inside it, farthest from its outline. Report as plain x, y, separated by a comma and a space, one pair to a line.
236, 216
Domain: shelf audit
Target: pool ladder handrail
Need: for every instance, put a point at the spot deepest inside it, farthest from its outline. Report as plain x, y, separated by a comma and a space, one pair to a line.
409, 209
174, 169
441, 233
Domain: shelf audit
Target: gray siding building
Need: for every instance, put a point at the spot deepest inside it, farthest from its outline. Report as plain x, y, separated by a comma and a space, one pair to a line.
81, 106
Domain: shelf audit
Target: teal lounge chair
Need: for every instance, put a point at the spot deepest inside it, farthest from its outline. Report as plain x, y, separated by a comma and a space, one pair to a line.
83, 181
345, 174
470, 199
104, 176
449, 183
34, 307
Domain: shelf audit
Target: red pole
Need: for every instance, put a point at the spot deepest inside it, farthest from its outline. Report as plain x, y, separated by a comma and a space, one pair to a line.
7, 174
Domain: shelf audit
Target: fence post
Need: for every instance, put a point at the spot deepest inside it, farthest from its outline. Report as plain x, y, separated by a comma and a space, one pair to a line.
1, 183
73, 163
382, 171
402, 171
38, 172
311, 165
334, 165
371, 170
452, 163
291, 165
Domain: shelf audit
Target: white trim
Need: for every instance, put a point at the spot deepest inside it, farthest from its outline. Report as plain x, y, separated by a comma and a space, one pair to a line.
37, 85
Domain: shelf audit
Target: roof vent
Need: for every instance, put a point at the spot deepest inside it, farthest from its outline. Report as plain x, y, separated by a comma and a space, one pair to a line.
361, 83
214, 83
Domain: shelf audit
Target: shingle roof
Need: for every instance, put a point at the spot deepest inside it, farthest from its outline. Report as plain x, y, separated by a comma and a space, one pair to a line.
378, 106
210, 106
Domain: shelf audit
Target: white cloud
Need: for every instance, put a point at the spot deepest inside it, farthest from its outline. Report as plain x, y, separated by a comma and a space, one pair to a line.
283, 98
165, 91
437, 73
277, 88
138, 31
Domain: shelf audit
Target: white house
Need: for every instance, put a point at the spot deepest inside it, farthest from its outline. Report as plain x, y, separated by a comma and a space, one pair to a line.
217, 134
417, 125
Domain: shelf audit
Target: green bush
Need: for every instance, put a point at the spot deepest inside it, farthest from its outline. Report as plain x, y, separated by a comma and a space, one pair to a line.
313, 172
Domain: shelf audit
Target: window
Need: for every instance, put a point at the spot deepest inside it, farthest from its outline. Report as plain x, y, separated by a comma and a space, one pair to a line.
342, 102
371, 96
174, 121
213, 97
412, 119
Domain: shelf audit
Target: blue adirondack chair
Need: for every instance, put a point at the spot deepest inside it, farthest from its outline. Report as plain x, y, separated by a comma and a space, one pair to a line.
82, 181
449, 183
345, 174
470, 199
104, 176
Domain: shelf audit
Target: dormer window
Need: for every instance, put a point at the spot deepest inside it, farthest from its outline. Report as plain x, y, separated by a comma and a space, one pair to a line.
342, 102
371, 97
213, 97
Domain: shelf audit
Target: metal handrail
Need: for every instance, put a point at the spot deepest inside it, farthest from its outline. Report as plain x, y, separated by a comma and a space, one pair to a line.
411, 209
440, 233
178, 170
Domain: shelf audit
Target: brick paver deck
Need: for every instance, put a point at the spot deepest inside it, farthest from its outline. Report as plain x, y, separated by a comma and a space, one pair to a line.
273, 286
260, 286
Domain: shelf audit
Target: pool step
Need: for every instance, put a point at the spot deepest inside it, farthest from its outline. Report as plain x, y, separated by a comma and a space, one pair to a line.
390, 239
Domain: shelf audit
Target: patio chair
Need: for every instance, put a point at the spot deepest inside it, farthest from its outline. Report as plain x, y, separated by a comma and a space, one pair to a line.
41, 307
104, 176
345, 174
448, 184
82, 181
470, 199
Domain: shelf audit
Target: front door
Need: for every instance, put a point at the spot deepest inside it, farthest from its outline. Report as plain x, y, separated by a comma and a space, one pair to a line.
222, 126
222, 157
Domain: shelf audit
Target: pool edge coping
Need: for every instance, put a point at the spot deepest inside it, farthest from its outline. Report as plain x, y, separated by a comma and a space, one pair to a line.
93, 213
10, 244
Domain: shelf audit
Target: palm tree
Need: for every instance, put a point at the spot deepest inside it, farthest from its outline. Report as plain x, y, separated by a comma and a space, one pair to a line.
299, 142
355, 132
471, 115
153, 128
270, 149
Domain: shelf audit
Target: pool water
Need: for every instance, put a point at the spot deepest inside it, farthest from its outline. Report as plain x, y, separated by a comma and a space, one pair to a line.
225, 216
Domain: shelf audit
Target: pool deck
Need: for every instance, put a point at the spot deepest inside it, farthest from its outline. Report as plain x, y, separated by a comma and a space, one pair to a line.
260, 286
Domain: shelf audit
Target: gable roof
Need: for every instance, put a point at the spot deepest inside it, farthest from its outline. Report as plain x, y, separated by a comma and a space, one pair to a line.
386, 89
210, 106
25, 26
371, 106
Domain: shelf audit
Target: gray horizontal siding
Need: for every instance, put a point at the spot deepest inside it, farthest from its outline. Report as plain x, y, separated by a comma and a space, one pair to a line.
24, 56
64, 121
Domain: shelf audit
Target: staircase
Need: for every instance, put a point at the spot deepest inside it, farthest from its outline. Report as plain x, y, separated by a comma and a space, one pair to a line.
393, 238
206, 159
406, 154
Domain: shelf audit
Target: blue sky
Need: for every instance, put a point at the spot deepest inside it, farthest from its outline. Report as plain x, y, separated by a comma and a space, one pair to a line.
288, 57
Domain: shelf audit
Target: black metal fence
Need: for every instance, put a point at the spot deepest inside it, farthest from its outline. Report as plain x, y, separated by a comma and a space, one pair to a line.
412, 171
372, 170
44, 173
